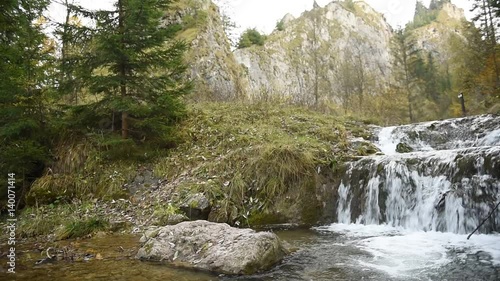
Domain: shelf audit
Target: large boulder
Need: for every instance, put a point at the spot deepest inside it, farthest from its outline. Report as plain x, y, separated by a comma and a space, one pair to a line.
216, 247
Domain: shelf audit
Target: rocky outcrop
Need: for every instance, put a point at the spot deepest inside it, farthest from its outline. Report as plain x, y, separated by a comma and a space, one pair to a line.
216, 247
196, 207
328, 53
212, 67
435, 37
314, 50
403, 148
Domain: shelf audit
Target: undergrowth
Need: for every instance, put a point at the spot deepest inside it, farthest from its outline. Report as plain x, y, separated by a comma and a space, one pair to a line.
247, 157
64, 220
83, 171
251, 160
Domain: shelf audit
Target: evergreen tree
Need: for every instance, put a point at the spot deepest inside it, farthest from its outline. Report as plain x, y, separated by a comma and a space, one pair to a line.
407, 62
25, 65
496, 5
75, 39
486, 12
431, 78
136, 68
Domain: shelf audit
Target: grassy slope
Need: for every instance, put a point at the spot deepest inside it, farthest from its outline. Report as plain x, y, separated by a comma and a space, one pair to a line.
249, 160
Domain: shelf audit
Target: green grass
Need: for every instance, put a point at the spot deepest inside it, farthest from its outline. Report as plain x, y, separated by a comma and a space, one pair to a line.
64, 221
82, 172
253, 162
80, 228
246, 157
163, 212
42, 220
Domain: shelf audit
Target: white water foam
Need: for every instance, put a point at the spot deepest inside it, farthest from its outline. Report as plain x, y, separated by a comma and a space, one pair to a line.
402, 253
388, 140
416, 135
416, 200
422, 194
492, 138
386, 143
344, 206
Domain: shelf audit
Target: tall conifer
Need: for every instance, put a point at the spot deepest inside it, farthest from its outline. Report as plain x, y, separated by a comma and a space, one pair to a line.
136, 68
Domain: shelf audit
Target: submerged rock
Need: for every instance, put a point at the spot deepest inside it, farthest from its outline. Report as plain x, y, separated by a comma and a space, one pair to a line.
212, 246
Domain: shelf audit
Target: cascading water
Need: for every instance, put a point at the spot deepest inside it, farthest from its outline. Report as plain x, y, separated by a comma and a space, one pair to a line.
449, 183
410, 212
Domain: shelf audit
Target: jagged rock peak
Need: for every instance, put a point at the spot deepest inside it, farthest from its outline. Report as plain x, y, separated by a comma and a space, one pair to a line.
359, 9
310, 54
287, 19
443, 7
453, 11
212, 66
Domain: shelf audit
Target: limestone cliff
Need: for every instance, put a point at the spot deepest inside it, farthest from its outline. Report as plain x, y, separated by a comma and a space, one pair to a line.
330, 52
313, 52
212, 67
434, 37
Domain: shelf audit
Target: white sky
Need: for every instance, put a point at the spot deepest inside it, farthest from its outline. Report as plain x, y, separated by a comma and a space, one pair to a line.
263, 14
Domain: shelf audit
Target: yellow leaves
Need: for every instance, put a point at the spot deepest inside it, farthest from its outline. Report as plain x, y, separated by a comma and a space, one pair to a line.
389, 107
74, 20
49, 45
40, 21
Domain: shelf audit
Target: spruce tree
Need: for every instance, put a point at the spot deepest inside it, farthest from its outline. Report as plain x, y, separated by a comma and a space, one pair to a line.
407, 62
25, 64
136, 69
75, 39
486, 16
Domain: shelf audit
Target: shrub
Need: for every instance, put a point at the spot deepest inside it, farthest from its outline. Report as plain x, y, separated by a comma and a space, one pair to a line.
251, 37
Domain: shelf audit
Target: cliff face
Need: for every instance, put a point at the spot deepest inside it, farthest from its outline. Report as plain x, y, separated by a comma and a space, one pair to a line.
212, 67
329, 53
315, 51
434, 37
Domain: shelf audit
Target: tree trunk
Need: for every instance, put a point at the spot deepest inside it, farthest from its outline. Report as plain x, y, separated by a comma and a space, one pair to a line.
124, 125
123, 71
64, 39
316, 59
410, 109
493, 41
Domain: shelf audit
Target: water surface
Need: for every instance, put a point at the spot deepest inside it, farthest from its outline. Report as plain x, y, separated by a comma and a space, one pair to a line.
335, 252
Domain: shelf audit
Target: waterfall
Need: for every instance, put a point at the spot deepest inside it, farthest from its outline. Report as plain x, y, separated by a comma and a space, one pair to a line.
448, 183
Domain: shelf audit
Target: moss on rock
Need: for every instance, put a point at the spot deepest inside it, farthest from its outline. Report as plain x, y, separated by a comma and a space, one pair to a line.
403, 148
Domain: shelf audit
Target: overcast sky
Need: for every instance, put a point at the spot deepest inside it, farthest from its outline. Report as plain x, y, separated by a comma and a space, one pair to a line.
263, 14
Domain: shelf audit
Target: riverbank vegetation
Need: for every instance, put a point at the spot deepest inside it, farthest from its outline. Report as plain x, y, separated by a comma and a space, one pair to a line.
99, 127
250, 174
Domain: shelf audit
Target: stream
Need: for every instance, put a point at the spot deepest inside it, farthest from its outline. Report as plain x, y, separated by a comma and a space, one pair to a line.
400, 216
334, 252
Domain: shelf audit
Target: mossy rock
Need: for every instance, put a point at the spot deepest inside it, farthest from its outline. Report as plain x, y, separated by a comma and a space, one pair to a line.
403, 148
366, 149
311, 209
262, 218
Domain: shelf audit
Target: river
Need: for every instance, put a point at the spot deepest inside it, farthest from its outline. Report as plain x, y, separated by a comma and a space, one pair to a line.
400, 216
